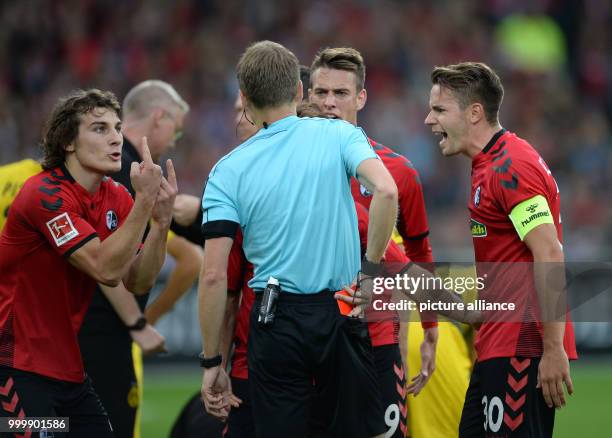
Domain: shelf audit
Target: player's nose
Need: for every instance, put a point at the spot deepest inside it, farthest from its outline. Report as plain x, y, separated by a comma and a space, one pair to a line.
330, 100
116, 138
429, 120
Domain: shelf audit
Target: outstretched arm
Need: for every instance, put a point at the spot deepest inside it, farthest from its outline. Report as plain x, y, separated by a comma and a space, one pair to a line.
188, 259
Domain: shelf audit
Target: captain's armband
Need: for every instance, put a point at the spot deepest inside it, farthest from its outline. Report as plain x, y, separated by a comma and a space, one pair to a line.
529, 214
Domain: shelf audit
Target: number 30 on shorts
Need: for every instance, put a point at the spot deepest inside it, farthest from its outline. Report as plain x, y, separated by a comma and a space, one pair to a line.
493, 413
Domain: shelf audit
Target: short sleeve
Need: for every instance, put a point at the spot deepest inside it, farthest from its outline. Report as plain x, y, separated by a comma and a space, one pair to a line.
58, 217
355, 148
218, 200
515, 181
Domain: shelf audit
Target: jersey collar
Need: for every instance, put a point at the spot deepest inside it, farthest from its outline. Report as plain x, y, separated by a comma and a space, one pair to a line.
84, 193
279, 125
482, 155
493, 140
67, 175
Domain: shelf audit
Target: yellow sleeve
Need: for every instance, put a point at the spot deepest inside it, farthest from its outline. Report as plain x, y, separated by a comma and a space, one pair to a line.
397, 238
170, 236
12, 177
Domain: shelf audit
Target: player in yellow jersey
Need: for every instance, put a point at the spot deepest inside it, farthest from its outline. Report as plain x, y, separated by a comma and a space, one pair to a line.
12, 177
444, 393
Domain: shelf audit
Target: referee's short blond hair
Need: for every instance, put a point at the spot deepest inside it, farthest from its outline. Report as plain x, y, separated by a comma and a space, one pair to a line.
268, 74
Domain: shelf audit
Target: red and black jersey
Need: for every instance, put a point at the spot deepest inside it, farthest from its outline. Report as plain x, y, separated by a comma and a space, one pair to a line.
101, 319
239, 273
412, 221
43, 298
383, 326
505, 173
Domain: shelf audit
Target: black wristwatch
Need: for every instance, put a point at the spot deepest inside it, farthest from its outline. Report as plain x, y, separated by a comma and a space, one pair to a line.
138, 325
371, 269
210, 362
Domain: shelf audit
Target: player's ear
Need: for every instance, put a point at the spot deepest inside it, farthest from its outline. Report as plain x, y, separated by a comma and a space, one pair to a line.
243, 99
156, 115
300, 92
362, 97
476, 112
70, 147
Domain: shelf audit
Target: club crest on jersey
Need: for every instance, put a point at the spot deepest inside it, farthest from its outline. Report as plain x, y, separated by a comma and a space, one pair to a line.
477, 197
364, 191
478, 229
111, 220
62, 229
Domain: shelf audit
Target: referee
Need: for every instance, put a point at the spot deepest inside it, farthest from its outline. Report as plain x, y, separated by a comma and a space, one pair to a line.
287, 188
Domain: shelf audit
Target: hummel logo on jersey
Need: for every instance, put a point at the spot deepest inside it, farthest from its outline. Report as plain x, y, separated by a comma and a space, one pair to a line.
62, 229
478, 229
532, 208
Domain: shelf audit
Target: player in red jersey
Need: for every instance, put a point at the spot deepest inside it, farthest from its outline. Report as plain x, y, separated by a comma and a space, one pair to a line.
514, 218
337, 88
70, 227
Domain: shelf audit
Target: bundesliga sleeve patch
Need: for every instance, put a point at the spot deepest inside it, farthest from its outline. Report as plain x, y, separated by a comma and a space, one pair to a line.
62, 229
529, 214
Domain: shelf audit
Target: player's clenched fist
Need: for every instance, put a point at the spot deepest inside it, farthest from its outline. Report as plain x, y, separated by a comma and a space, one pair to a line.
146, 177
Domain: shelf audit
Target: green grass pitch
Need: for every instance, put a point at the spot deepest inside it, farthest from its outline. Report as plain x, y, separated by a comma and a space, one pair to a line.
589, 410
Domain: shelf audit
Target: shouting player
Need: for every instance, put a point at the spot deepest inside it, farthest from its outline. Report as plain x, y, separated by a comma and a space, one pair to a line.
523, 364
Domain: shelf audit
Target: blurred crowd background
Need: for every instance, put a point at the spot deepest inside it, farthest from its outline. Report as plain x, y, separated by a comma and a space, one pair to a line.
554, 58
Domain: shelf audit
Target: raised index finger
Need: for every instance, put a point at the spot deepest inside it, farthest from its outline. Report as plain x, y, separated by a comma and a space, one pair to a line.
146, 153
171, 174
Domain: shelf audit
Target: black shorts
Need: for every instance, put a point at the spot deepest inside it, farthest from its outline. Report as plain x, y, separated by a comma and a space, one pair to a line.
32, 395
108, 362
392, 383
312, 352
502, 400
195, 422
240, 421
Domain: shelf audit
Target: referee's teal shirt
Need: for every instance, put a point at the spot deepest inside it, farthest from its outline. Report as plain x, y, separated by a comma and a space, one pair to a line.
288, 187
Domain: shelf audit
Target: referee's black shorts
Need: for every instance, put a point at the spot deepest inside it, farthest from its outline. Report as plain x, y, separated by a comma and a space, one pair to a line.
24, 394
312, 352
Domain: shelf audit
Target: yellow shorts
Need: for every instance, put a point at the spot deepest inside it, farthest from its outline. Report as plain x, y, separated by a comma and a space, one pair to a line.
137, 358
436, 411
